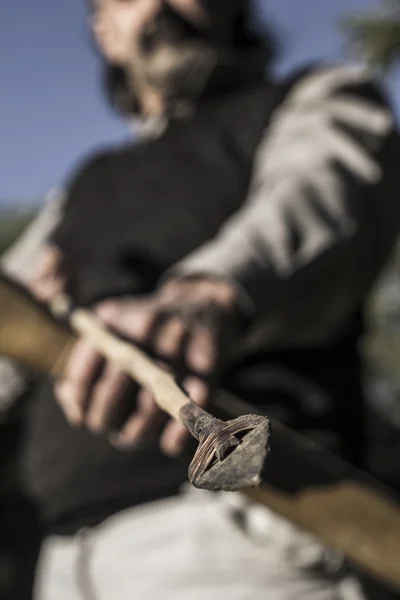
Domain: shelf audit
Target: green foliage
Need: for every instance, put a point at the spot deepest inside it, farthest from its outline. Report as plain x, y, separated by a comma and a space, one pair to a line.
375, 36
12, 225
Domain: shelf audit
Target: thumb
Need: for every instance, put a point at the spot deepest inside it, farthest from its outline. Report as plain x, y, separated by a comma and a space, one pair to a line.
130, 317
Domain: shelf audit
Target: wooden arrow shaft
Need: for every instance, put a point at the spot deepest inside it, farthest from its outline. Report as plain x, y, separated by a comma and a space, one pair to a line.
321, 493
342, 506
133, 362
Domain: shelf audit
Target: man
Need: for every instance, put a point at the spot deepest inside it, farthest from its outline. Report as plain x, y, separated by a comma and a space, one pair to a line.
243, 236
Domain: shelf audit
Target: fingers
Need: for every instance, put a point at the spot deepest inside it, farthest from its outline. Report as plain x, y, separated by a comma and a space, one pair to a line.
167, 335
132, 318
74, 390
49, 279
107, 394
197, 390
87, 395
201, 357
146, 416
50, 262
202, 351
170, 338
66, 399
184, 327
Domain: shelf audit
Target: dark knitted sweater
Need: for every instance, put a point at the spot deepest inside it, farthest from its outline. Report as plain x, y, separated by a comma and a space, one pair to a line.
131, 215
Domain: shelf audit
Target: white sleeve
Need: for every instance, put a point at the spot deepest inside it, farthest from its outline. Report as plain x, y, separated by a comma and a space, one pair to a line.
310, 176
20, 259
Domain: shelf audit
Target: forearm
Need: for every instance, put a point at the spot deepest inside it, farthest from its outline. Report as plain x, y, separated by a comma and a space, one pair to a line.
20, 259
306, 213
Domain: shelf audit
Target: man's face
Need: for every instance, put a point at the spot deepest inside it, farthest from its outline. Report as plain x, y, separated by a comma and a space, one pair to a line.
161, 39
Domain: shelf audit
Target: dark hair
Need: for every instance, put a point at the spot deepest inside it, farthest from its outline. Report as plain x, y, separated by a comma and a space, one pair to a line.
260, 49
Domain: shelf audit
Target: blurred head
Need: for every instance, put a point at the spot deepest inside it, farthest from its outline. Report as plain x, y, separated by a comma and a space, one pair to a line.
170, 47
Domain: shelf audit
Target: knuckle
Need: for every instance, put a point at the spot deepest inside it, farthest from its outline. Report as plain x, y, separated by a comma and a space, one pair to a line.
107, 310
95, 424
128, 437
140, 324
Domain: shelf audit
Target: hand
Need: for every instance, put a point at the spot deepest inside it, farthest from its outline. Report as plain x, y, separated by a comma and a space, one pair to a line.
189, 325
49, 278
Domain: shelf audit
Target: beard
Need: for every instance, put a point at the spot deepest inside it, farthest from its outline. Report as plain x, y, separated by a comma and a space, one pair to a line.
173, 57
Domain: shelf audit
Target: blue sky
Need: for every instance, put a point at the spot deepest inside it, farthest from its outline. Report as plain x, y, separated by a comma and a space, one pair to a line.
51, 110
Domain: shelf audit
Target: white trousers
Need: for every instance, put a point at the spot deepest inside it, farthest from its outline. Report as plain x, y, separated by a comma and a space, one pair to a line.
201, 546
